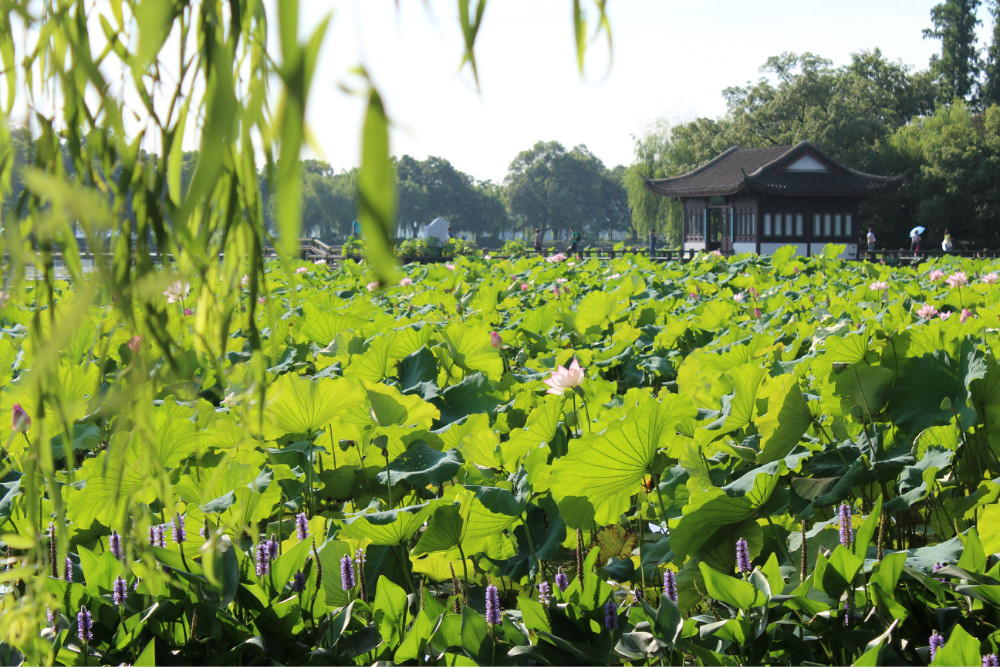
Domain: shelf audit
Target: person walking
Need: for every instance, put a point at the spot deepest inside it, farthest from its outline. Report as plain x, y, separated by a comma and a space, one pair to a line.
946, 241
574, 241
538, 240
652, 243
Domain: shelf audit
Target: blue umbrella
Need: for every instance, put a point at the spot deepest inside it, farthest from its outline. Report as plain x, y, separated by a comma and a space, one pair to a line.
917, 230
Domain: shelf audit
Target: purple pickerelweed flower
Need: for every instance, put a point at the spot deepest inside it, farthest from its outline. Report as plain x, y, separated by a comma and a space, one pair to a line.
119, 591
263, 559
84, 625
935, 642
346, 573
847, 613
846, 529
69, 570
301, 526
359, 558
610, 615
115, 544
670, 585
742, 555
544, 592
990, 660
161, 536
180, 535
298, 582
562, 581
272, 547
938, 566
492, 605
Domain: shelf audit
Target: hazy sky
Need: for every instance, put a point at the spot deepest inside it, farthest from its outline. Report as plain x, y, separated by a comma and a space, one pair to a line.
671, 59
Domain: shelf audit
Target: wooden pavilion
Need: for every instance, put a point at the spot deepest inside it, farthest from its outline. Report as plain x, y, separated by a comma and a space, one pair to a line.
759, 199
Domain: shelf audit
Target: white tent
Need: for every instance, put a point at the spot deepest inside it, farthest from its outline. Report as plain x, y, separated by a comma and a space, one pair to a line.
437, 229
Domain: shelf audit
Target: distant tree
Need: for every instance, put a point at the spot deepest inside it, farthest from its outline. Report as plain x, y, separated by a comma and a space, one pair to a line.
954, 161
991, 65
433, 188
554, 189
957, 68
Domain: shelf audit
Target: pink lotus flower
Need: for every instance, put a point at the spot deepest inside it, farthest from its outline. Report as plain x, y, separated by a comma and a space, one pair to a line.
945, 315
450, 267
556, 258
555, 290
966, 314
957, 279
565, 378
406, 281
879, 286
260, 299
562, 280
757, 313
20, 421
301, 269
320, 262
133, 343
496, 340
716, 253
524, 287
188, 312
991, 278
927, 311
935, 275
372, 286
738, 297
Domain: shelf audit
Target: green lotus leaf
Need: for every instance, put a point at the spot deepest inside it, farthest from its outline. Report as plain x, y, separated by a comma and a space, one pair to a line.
471, 350
303, 406
608, 468
786, 419
387, 528
421, 466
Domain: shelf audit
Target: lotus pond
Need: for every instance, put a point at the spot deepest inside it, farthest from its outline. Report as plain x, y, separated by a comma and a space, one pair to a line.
738, 460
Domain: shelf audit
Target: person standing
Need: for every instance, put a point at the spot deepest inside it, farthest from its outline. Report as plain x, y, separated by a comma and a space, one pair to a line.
946, 241
871, 240
538, 240
915, 241
574, 241
652, 243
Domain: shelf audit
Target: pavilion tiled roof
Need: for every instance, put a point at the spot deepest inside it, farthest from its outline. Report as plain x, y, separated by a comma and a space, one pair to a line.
764, 170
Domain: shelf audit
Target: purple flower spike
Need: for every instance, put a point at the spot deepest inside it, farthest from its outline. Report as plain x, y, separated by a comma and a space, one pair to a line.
346, 573
990, 660
120, 592
492, 605
742, 555
610, 615
846, 530
84, 625
298, 582
263, 560
544, 592
115, 544
69, 570
562, 581
936, 641
161, 536
272, 547
180, 535
670, 585
301, 526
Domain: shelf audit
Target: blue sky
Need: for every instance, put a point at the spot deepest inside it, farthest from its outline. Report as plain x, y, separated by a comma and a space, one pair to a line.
671, 60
